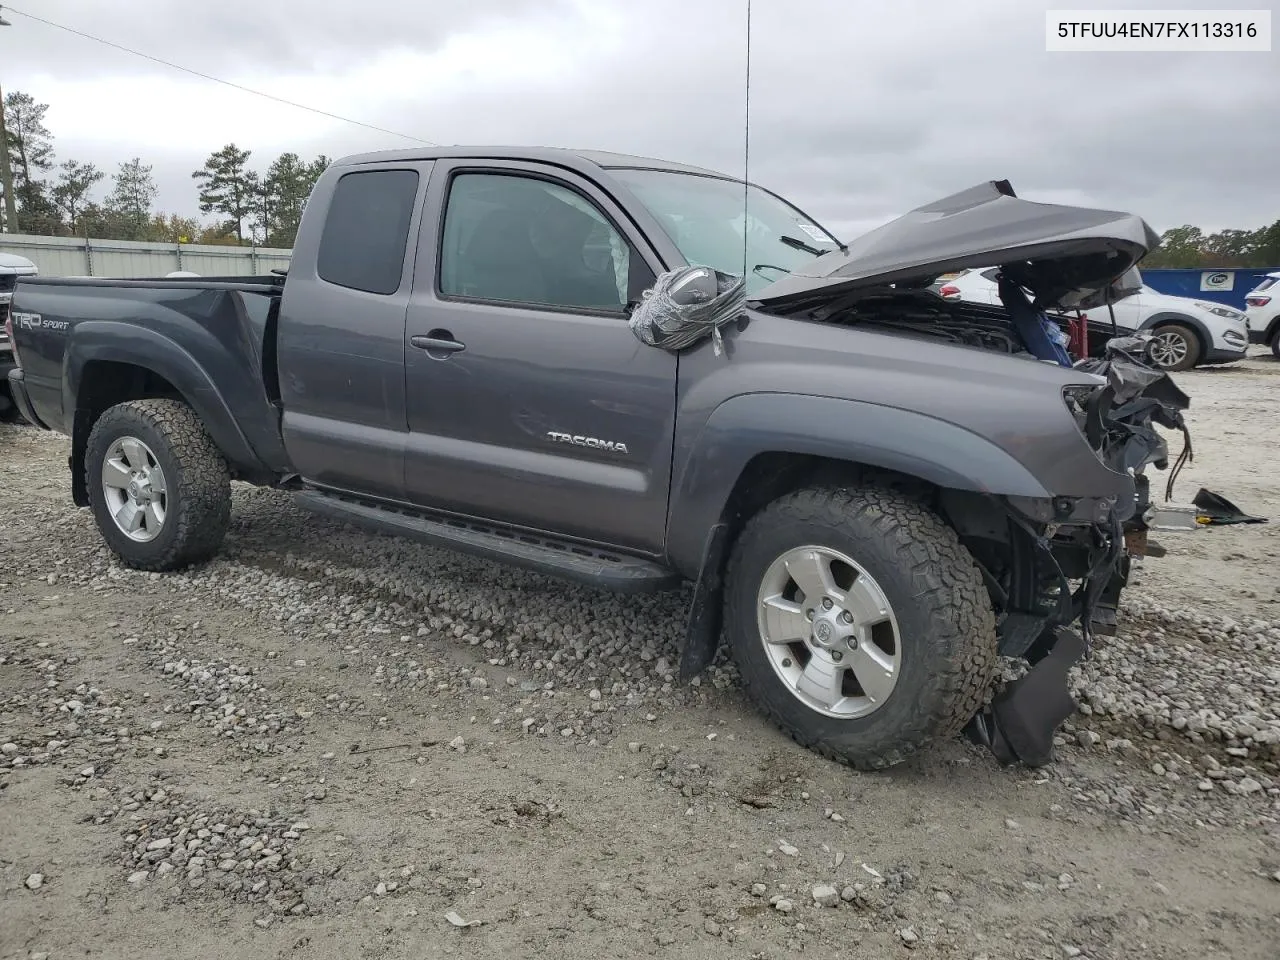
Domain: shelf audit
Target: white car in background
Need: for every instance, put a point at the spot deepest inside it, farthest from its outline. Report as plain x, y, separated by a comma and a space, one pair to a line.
1263, 311
1187, 332
11, 268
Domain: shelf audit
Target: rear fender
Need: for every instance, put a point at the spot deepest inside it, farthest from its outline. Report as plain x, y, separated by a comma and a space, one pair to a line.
124, 343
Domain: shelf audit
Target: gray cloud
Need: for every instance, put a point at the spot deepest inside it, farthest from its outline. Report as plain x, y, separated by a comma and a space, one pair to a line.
859, 111
248, 36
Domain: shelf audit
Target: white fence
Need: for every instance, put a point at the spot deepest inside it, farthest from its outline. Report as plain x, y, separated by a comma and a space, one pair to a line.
78, 257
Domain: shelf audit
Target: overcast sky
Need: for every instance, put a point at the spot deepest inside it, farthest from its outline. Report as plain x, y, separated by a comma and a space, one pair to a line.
860, 110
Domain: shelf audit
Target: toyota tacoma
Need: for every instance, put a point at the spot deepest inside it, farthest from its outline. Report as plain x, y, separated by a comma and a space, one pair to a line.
875, 493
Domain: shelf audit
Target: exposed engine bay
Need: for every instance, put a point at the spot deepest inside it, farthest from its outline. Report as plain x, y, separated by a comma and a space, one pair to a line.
921, 313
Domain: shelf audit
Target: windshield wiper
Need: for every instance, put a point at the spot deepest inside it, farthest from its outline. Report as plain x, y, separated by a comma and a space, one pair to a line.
800, 245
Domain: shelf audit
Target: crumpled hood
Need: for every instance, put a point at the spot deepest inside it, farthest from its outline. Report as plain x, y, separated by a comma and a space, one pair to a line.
1067, 256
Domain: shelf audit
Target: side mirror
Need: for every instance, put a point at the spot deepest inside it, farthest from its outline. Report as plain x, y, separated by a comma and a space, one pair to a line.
698, 285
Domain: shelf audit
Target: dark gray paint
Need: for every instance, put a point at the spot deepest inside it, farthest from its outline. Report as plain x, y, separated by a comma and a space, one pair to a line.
208, 341
961, 417
342, 360
977, 227
479, 418
366, 411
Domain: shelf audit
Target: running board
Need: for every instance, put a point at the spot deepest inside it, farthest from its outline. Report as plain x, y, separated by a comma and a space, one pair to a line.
591, 566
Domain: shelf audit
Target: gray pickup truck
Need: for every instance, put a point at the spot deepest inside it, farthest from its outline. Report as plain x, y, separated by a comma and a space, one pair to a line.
875, 493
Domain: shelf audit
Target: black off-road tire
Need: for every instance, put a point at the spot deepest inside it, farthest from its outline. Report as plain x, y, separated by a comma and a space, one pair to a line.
1193, 345
948, 634
196, 477
1275, 343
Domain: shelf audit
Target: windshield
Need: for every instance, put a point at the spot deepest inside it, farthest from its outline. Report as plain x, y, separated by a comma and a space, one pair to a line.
703, 216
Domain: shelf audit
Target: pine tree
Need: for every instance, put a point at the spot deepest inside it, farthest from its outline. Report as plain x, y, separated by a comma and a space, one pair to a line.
30, 154
131, 198
71, 192
227, 186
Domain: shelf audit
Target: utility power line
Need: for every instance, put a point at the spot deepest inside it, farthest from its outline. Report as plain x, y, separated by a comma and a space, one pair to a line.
226, 83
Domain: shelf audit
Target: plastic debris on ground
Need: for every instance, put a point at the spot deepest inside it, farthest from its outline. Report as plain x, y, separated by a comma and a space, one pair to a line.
1213, 509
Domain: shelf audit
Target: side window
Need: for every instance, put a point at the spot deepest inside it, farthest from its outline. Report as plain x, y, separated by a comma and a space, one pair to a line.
523, 240
366, 231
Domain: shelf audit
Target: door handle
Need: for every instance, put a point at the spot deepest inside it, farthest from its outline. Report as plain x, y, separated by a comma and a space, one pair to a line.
438, 343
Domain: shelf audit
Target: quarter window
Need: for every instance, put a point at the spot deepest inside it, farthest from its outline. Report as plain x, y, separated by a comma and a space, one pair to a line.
366, 231
523, 240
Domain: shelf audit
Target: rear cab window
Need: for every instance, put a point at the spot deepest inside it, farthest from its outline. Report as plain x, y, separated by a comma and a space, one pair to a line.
366, 230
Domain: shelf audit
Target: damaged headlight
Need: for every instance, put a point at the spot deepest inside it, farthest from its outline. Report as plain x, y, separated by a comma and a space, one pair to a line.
1076, 397
1087, 403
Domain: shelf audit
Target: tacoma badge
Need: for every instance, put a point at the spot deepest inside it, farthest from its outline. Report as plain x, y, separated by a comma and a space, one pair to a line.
592, 442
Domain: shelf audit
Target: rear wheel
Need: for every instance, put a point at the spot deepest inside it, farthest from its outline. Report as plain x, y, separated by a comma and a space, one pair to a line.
158, 486
1175, 347
859, 623
1275, 343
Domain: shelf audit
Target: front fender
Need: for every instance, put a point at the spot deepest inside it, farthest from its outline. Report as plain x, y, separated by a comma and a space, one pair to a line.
857, 432
128, 342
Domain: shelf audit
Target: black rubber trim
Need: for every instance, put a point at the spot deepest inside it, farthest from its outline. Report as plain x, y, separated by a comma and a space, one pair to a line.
21, 399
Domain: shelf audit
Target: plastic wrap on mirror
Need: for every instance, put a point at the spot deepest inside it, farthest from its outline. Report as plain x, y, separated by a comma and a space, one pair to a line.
681, 308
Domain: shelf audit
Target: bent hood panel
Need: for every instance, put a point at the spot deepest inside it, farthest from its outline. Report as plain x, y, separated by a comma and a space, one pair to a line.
1065, 255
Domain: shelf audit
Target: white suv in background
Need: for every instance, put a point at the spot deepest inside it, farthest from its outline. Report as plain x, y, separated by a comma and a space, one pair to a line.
1188, 332
11, 268
1263, 311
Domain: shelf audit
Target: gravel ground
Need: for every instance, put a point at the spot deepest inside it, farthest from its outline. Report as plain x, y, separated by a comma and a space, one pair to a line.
326, 744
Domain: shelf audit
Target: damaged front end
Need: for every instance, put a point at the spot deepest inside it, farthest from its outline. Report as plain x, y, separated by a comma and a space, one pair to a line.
1056, 574
1055, 567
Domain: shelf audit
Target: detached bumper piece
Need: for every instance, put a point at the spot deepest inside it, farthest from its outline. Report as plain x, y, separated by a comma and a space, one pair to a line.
1020, 724
1214, 508
1051, 626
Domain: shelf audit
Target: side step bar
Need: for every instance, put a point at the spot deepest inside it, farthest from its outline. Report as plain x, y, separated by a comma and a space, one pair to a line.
558, 558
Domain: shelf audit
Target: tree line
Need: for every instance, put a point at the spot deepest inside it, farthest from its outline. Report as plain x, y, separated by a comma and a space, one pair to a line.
72, 198
265, 208
1191, 247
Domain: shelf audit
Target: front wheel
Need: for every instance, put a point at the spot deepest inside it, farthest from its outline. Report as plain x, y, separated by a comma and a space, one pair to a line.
158, 486
1175, 347
859, 623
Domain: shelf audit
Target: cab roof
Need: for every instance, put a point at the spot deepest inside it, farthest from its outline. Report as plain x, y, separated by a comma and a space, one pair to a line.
586, 161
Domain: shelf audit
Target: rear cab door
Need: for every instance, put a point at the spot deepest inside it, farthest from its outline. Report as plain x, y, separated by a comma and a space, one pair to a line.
340, 345
529, 400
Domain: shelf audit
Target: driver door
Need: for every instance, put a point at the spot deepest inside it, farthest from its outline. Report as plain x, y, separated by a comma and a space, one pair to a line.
529, 399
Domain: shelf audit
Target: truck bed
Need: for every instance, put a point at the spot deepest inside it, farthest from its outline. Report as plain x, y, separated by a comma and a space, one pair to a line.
212, 339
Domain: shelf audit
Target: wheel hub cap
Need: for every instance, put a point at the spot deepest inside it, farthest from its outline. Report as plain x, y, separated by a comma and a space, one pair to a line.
829, 632
133, 487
